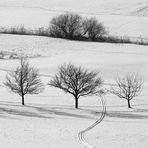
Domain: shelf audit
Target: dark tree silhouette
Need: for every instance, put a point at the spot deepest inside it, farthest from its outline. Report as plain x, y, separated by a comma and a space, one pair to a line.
127, 87
77, 81
66, 26
24, 80
92, 29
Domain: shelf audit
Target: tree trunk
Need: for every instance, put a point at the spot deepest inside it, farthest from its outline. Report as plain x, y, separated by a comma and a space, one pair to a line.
23, 100
129, 105
76, 102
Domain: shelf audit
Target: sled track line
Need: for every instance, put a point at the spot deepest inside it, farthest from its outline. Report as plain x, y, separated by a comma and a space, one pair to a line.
81, 134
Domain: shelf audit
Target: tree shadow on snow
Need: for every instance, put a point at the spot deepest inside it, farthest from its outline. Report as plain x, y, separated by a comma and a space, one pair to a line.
12, 111
60, 112
3, 115
9, 111
127, 115
140, 110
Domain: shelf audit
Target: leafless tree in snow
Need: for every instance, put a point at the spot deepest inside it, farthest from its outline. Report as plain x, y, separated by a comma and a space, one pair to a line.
77, 81
24, 80
127, 87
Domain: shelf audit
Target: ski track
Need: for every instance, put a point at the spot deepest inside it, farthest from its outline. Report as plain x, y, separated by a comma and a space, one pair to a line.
81, 134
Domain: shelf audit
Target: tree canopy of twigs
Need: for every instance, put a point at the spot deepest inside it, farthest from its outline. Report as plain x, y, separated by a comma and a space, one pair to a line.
73, 26
92, 29
24, 80
127, 87
66, 25
77, 81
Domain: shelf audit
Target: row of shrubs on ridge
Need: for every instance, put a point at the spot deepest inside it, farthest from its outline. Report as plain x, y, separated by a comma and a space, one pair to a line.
69, 26
74, 27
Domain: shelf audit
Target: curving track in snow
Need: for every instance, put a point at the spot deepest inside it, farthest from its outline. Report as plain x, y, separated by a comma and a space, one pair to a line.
82, 133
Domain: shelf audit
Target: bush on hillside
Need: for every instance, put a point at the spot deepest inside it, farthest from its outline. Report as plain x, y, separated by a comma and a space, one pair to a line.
92, 29
66, 26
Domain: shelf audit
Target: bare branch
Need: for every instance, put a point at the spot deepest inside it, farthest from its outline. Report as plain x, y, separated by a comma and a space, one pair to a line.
127, 87
77, 81
24, 80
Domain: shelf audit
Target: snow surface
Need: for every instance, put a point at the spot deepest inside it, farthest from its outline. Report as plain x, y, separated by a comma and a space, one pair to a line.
49, 119
121, 17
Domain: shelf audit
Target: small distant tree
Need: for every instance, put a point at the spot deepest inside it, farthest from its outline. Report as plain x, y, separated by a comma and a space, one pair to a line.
77, 81
93, 29
127, 87
24, 80
67, 25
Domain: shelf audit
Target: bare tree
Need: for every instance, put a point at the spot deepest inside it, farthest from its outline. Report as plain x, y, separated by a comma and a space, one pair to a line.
67, 25
93, 29
77, 81
127, 87
24, 80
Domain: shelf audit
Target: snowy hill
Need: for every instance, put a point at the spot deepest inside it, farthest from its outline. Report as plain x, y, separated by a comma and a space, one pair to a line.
49, 119
126, 7
50, 116
128, 17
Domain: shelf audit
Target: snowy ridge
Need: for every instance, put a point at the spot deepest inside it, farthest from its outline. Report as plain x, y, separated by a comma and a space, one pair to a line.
141, 11
90, 6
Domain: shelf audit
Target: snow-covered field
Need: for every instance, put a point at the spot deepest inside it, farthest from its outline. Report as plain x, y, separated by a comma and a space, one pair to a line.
49, 119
